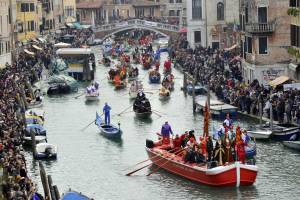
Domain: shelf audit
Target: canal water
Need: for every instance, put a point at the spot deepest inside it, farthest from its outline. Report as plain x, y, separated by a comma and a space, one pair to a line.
89, 163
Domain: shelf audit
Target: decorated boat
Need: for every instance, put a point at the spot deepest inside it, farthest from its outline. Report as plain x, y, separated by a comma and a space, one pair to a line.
108, 130
72, 195
46, 151
168, 82
120, 85
292, 144
233, 174
164, 94
154, 76
92, 92
133, 73
142, 106
146, 60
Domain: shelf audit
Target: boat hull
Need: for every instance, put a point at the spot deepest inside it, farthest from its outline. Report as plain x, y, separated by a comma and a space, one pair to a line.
286, 134
260, 134
143, 115
110, 131
292, 144
221, 176
92, 97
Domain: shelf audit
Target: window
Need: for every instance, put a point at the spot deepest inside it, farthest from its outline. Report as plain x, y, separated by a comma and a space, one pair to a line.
263, 45
171, 1
220, 11
30, 25
295, 36
197, 9
246, 15
178, 1
31, 7
9, 16
249, 44
24, 7
197, 36
171, 12
178, 13
262, 15
294, 3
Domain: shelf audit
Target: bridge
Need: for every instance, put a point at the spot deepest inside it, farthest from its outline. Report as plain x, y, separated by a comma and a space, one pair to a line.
106, 30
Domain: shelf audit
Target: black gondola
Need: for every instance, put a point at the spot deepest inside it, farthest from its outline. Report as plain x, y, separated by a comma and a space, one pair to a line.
142, 106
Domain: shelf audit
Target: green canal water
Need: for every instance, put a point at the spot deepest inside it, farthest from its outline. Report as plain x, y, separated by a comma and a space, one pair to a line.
89, 163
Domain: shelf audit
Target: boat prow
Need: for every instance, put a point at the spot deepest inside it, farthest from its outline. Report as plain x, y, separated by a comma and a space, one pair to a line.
260, 134
292, 144
72, 195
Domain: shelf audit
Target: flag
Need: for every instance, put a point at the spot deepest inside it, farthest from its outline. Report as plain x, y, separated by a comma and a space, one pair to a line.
98, 120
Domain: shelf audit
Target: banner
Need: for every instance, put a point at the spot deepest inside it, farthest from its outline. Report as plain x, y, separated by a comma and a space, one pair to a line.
292, 86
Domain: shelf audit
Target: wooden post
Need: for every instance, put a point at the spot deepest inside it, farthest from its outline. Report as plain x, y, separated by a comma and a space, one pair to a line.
50, 184
271, 111
33, 143
57, 195
194, 97
44, 181
184, 81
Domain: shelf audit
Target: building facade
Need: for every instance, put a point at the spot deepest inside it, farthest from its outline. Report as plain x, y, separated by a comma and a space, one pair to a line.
58, 12
265, 39
69, 12
212, 23
294, 49
7, 18
90, 12
175, 11
48, 22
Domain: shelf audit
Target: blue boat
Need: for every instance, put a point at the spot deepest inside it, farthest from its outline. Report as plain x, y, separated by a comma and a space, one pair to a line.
109, 131
38, 128
154, 79
199, 89
74, 196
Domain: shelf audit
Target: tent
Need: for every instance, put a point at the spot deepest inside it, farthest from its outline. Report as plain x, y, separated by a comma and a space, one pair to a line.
279, 80
28, 52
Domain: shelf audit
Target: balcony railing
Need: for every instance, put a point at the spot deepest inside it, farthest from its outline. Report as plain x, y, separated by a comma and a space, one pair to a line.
260, 28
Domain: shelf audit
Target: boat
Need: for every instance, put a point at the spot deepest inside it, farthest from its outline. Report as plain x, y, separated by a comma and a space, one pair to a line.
34, 116
279, 132
92, 92
292, 144
35, 127
121, 85
164, 94
218, 109
135, 87
199, 89
46, 151
61, 84
233, 174
168, 82
154, 76
109, 131
38, 139
133, 73
72, 195
142, 106
35, 104
58, 88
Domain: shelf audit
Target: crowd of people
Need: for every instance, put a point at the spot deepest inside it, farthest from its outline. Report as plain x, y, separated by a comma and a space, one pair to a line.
221, 70
13, 86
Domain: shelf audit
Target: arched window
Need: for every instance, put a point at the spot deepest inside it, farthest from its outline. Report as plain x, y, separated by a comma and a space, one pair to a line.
220, 11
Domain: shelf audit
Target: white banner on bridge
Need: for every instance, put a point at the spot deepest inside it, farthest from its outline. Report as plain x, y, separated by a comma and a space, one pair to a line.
287, 87
150, 23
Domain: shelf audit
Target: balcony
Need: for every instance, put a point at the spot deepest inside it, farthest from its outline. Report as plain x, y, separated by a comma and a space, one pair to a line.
260, 28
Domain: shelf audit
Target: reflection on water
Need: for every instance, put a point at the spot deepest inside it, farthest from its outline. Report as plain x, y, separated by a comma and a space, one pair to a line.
94, 165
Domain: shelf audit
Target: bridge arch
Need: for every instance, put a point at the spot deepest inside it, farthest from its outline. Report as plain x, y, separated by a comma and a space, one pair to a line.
136, 27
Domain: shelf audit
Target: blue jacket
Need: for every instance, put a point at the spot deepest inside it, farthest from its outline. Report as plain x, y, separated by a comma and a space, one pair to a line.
106, 109
166, 130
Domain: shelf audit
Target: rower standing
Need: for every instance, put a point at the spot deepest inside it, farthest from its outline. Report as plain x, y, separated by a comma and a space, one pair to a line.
106, 111
166, 130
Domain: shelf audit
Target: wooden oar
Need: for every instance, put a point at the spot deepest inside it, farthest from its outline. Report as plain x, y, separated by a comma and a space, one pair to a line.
156, 113
155, 170
88, 125
124, 110
79, 95
159, 112
132, 172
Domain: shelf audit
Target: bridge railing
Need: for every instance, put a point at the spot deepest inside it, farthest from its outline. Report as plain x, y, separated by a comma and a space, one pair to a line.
136, 23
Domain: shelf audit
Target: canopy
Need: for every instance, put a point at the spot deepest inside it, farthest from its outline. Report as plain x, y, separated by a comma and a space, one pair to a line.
231, 48
183, 30
28, 52
37, 48
62, 45
278, 81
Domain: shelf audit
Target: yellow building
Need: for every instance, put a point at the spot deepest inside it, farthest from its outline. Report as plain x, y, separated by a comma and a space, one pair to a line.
28, 19
69, 10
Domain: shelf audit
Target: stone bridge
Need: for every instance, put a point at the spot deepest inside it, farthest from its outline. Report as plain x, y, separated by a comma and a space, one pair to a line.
106, 30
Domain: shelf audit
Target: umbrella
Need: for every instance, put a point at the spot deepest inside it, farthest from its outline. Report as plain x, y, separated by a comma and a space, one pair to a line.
183, 30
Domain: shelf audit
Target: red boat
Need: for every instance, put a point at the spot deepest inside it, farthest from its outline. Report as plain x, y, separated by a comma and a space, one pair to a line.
234, 174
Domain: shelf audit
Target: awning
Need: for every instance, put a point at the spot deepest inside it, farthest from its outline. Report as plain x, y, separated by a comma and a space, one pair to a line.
37, 48
62, 45
231, 48
42, 40
28, 52
278, 81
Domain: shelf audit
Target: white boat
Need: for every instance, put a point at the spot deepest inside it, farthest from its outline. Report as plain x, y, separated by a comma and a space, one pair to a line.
46, 151
259, 134
292, 144
92, 96
217, 108
38, 139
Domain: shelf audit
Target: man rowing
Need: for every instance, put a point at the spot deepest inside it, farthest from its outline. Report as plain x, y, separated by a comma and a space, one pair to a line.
106, 111
166, 130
